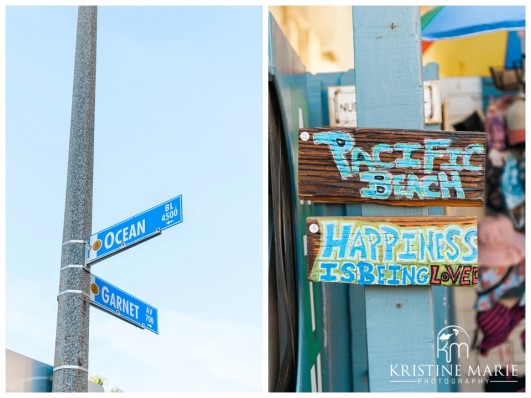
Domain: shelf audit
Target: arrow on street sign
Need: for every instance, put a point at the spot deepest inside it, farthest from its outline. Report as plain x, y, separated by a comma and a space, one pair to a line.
122, 305
134, 230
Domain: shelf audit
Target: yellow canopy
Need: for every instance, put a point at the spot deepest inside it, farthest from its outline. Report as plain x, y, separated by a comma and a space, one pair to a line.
469, 56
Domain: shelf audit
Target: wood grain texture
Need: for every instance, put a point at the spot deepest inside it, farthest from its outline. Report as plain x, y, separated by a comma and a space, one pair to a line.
436, 250
389, 94
392, 166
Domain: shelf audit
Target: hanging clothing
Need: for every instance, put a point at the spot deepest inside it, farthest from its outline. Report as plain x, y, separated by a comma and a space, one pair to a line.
498, 142
515, 121
495, 128
494, 283
512, 188
499, 245
497, 324
496, 137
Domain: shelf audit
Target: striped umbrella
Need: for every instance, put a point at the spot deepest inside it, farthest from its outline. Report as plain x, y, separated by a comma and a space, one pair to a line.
467, 40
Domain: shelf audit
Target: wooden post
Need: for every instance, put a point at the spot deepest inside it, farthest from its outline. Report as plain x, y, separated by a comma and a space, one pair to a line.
389, 91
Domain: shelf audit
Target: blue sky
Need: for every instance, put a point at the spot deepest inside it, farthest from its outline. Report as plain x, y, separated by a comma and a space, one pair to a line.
178, 111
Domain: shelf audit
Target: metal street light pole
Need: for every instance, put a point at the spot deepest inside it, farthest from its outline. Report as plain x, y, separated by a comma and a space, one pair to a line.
72, 334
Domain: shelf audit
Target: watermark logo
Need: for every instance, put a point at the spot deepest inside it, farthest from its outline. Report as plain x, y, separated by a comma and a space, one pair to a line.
447, 343
452, 364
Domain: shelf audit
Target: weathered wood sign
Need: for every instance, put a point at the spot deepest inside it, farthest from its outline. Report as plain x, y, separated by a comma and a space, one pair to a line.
400, 167
395, 251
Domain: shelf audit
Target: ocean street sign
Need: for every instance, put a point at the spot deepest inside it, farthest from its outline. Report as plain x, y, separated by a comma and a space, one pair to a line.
122, 305
134, 230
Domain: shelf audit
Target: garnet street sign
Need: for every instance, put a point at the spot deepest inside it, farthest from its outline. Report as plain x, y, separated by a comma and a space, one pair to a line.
134, 230
122, 305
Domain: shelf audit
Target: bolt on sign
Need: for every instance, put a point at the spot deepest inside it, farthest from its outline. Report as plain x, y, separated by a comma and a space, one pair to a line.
391, 166
393, 251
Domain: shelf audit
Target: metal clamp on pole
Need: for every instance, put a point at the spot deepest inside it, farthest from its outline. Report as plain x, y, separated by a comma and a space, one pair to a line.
69, 242
76, 241
71, 367
86, 268
85, 296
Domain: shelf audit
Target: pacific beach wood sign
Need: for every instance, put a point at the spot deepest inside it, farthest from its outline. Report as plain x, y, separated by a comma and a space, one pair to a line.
394, 251
392, 166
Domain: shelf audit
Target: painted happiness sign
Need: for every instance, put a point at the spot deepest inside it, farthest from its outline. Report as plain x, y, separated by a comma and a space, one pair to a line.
393, 251
402, 167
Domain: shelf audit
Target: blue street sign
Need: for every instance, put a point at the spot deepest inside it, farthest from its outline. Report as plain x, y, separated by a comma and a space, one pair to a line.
134, 230
122, 305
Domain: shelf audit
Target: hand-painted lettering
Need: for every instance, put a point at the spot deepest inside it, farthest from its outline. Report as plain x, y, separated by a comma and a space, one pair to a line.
356, 251
340, 144
397, 175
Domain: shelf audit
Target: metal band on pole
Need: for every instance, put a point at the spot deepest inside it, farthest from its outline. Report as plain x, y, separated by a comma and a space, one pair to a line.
71, 367
72, 266
69, 242
72, 291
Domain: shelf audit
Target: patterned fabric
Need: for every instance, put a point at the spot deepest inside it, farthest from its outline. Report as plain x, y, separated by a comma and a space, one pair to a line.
505, 168
497, 324
495, 128
521, 169
513, 189
494, 282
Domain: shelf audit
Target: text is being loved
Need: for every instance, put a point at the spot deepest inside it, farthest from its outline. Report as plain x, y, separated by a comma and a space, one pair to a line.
393, 251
